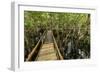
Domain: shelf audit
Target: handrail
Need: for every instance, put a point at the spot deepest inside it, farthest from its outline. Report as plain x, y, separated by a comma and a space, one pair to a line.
58, 51
34, 49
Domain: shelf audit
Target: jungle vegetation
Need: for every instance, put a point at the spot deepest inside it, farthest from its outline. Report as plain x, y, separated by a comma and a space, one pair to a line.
67, 28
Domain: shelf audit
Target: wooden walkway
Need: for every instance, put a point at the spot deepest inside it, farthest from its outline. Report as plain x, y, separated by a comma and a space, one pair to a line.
47, 52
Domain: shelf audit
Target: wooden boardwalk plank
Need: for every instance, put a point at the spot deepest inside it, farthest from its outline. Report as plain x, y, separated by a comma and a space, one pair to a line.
47, 52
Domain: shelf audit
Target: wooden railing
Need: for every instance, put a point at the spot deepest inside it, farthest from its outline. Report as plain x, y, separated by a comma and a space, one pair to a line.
57, 49
35, 48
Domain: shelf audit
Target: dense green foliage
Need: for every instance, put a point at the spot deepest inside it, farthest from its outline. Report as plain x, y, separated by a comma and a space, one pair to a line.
65, 26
